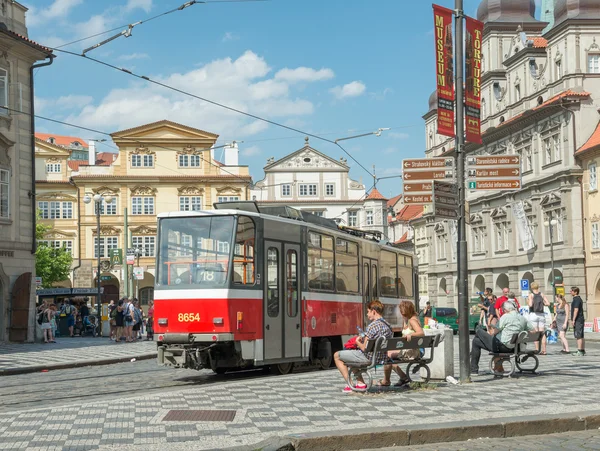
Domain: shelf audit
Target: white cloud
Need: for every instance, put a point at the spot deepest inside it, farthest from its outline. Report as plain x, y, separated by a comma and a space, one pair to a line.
73, 101
241, 83
59, 9
304, 74
397, 135
352, 89
251, 151
230, 36
134, 56
146, 5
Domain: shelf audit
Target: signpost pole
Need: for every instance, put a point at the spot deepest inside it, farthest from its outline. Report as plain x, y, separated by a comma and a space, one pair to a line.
462, 260
125, 266
98, 295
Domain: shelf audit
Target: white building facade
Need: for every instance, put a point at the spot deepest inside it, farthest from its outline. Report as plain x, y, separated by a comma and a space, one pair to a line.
540, 100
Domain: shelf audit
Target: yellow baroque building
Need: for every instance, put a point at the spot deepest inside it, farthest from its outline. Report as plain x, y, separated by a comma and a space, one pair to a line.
160, 167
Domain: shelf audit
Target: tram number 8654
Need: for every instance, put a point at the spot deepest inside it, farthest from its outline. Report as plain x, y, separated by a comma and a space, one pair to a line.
188, 317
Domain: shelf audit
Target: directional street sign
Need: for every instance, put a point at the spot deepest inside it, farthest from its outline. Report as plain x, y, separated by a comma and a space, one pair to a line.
410, 199
492, 173
445, 200
413, 188
427, 163
501, 160
443, 174
479, 185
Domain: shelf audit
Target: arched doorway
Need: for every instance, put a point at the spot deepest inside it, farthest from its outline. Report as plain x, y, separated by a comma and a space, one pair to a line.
479, 284
146, 289
528, 276
502, 282
554, 278
109, 287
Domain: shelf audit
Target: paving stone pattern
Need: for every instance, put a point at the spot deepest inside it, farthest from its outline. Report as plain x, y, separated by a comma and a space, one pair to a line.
69, 350
572, 441
296, 404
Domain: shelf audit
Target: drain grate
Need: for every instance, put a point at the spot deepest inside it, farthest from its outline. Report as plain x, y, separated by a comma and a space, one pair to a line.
200, 415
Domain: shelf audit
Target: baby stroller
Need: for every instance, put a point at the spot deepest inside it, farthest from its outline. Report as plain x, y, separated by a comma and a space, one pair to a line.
90, 326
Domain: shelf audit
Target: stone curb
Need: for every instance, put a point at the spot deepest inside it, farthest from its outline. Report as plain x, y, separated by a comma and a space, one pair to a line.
420, 434
76, 364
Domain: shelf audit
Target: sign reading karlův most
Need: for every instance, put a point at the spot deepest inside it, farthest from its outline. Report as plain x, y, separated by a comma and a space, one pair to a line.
494, 172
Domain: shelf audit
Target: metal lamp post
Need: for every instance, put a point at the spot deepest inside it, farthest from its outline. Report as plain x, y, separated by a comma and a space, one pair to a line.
550, 223
98, 198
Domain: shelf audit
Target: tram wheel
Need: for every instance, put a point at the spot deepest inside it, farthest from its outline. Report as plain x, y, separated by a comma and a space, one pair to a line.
282, 368
220, 371
324, 363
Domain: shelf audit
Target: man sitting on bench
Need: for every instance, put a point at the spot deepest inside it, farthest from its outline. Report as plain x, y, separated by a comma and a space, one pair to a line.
511, 323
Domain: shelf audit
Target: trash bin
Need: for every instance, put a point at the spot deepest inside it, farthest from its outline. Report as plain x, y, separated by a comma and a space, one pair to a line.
442, 365
63, 326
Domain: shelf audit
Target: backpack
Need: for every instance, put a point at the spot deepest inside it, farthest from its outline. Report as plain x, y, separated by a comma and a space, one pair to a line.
538, 303
40, 318
113, 313
68, 310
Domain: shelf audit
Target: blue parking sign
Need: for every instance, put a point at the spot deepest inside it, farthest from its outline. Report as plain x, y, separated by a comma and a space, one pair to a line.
524, 285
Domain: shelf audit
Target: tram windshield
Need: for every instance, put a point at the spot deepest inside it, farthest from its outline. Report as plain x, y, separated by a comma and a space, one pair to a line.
195, 252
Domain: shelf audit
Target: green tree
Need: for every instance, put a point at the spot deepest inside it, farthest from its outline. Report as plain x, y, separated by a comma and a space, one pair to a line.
52, 265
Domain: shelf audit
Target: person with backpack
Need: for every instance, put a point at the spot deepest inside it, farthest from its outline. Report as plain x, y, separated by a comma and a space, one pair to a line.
536, 302
129, 317
45, 320
69, 311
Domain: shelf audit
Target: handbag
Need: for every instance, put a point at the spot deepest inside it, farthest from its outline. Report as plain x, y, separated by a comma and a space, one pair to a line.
553, 325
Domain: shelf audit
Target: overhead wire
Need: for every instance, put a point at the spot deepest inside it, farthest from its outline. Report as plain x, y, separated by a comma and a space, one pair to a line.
213, 102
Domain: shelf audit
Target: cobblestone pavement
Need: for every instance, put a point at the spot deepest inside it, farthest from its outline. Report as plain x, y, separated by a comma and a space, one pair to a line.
585, 440
69, 350
275, 406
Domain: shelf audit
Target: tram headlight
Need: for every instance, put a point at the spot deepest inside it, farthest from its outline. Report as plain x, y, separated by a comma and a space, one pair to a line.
163, 321
218, 321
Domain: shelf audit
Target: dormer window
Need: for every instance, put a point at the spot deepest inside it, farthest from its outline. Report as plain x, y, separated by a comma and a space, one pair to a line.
51, 140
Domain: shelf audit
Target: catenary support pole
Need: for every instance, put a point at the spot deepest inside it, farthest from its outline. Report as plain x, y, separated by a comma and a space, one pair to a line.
462, 260
124, 264
99, 296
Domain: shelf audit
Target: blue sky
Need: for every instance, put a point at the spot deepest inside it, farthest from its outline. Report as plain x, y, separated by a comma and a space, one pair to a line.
330, 67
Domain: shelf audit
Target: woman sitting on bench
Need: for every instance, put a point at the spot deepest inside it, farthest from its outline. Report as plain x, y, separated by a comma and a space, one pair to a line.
412, 328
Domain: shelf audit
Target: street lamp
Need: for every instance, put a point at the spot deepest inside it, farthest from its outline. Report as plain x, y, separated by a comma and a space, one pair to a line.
550, 223
98, 198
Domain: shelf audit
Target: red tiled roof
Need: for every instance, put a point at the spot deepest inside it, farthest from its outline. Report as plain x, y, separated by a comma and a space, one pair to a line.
592, 143
550, 101
60, 140
403, 239
539, 42
102, 159
23, 38
394, 200
375, 195
409, 212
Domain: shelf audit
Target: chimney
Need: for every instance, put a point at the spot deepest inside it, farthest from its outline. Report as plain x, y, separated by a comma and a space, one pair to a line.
92, 153
231, 154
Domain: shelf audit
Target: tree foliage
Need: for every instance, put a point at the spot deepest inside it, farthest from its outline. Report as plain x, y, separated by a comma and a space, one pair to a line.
52, 265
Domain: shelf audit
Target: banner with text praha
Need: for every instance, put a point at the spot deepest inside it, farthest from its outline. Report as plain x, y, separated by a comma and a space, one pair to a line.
525, 235
473, 81
444, 63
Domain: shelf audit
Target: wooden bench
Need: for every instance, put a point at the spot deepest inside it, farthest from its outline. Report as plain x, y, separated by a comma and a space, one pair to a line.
385, 345
521, 358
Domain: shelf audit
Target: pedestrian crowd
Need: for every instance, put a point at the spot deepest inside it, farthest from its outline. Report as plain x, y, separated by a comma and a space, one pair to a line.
127, 320
501, 318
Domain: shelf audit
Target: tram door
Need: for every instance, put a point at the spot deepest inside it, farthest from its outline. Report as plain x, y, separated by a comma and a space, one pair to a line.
370, 276
282, 320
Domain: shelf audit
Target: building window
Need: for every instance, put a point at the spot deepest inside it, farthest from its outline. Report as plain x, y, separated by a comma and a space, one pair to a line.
146, 243
369, 221
3, 91
551, 145
559, 71
57, 244
53, 168
353, 218
108, 209
319, 213
595, 236
142, 205
557, 229
142, 161
594, 63
478, 234
527, 159
190, 203
228, 198
4, 193
308, 190
186, 161
441, 239
517, 92
329, 189
106, 244
286, 189
593, 176
501, 231
55, 210
483, 109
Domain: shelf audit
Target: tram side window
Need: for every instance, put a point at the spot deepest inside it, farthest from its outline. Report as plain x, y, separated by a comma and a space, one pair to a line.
389, 275
346, 269
243, 255
291, 272
405, 278
320, 262
272, 282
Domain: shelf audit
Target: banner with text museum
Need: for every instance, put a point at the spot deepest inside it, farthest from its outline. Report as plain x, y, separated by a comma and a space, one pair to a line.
444, 54
473, 81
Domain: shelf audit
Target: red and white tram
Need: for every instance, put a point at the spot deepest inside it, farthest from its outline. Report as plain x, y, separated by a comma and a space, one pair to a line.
244, 286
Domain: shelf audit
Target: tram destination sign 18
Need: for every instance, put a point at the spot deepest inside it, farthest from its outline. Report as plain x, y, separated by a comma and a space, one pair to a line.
494, 172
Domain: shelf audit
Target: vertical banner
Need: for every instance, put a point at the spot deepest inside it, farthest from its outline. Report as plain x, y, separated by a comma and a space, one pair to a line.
473, 80
525, 235
444, 74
